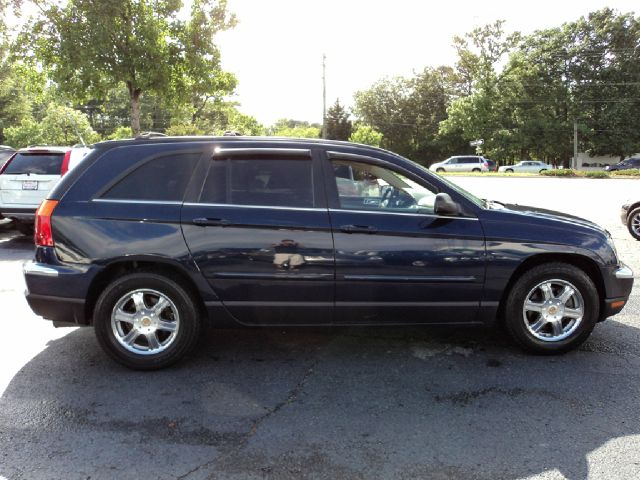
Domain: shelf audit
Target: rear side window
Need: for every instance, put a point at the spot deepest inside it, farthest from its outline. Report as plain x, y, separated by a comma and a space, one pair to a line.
35, 163
262, 181
161, 179
469, 160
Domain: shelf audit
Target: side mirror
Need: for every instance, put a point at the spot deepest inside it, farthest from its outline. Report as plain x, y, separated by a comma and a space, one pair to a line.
444, 205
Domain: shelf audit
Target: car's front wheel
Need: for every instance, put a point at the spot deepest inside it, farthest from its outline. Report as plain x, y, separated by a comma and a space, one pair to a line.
439, 170
542, 170
552, 308
509, 170
633, 223
146, 321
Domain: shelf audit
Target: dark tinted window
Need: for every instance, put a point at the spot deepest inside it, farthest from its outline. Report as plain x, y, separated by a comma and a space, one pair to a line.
266, 181
164, 179
36, 163
468, 160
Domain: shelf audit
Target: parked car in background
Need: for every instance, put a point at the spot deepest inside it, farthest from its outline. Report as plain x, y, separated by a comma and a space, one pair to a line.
630, 216
526, 166
25, 180
627, 164
462, 163
491, 165
148, 239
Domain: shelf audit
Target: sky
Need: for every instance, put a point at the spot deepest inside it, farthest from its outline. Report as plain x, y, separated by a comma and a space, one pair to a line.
276, 49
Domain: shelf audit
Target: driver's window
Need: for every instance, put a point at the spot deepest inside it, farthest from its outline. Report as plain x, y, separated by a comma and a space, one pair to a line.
363, 186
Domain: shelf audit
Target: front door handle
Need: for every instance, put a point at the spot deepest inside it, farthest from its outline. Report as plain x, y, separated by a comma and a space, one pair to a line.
211, 222
358, 229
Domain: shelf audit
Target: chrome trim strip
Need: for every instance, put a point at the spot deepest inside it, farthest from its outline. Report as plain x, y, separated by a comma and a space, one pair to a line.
217, 152
402, 213
411, 278
33, 268
407, 304
233, 205
259, 303
142, 202
624, 272
274, 276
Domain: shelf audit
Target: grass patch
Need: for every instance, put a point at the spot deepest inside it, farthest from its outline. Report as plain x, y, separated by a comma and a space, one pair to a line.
596, 174
561, 172
634, 172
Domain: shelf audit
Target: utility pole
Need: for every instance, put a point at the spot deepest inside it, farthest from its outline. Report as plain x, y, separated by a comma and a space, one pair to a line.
324, 96
575, 145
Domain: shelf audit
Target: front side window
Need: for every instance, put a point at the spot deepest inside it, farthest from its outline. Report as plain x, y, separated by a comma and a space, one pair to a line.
159, 179
259, 180
371, 187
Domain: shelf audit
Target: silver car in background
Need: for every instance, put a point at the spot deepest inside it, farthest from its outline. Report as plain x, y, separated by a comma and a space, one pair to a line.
526, 166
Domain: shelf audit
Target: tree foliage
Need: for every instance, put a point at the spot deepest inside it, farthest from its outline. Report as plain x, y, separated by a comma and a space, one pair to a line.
337, 124
366, 135
92, 47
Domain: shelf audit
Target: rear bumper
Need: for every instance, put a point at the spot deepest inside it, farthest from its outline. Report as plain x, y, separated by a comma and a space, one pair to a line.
18, 213
58, 292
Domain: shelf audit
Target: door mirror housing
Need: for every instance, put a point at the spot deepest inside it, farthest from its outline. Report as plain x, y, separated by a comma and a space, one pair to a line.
444, 205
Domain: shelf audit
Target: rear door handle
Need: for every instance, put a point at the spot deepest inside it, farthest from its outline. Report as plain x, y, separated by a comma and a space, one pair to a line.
358, 229
211, 222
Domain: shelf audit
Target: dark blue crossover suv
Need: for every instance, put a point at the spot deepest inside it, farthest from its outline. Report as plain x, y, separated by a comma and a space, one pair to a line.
147, 239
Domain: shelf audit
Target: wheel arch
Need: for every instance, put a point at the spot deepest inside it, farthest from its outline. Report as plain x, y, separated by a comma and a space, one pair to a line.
586, 264
160, 266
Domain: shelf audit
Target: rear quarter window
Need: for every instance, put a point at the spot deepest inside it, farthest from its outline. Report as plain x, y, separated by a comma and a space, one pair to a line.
35, 164
162, 178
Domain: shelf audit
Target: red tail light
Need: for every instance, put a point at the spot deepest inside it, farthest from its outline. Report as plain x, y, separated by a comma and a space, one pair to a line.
6, 164
43, 235
65, 163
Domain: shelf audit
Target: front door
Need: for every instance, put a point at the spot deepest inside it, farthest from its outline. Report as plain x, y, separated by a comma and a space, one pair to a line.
259, 231
396, 261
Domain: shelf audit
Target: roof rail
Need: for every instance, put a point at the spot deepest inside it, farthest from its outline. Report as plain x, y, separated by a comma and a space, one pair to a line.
151, 135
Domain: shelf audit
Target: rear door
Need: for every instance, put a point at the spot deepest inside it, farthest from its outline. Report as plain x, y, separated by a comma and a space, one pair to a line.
259, 231
29, 176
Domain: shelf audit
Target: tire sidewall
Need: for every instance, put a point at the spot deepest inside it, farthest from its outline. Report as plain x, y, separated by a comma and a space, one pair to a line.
635, 212
186, 334
513, 311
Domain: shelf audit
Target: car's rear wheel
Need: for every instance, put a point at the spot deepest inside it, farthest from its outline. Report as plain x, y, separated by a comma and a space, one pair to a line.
633, 223
509, 170
552, 308
542, 170
476, 170
439, 170
146, 321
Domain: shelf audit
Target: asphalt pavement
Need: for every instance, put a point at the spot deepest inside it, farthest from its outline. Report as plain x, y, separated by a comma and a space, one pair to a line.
428, 403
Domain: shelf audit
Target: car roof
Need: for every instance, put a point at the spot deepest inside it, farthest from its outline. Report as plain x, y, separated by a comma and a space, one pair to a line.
44, 149
240, 139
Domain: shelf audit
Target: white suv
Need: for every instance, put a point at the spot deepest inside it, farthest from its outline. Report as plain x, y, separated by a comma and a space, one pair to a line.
462, 163
25, 180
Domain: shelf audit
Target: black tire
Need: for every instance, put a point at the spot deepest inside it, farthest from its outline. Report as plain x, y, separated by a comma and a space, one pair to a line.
521, 289
476, 170
184, 338
543, 170
509, 170
439, 170
25, 228
633, 223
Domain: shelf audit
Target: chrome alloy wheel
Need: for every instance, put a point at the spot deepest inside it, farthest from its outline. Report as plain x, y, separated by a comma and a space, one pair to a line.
553, 310
145, 322
634, 223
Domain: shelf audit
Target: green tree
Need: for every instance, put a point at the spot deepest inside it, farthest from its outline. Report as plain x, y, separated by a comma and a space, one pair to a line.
366, 135
91, 47
60, 126
337, 124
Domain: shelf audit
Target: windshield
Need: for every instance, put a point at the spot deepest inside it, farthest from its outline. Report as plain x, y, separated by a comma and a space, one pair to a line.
35, 163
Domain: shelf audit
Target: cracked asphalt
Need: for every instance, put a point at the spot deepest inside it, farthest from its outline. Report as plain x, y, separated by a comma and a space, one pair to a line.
370, 403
